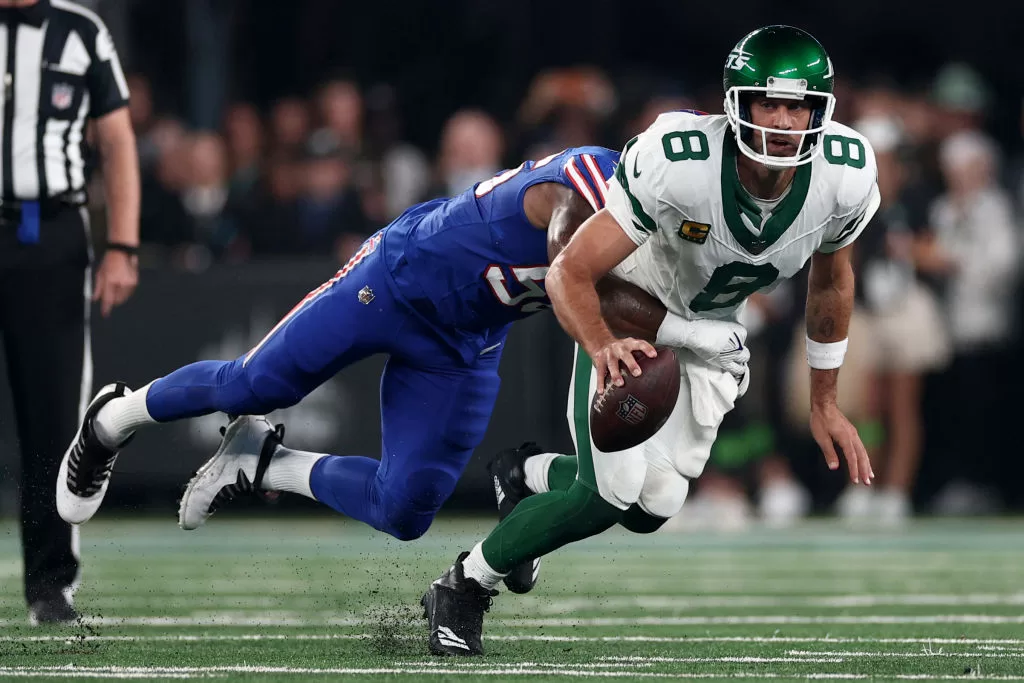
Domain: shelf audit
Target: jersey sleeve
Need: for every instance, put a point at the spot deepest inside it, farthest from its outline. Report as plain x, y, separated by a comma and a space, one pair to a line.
589, 174
108, 89
636, 192
846, 231
857, 195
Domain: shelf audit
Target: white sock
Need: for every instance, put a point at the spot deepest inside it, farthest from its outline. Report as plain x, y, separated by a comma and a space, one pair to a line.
119, 419
536, 468
289, 471
476, 567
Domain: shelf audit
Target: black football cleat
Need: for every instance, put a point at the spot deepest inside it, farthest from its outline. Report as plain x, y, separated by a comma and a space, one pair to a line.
55, 609
508, 474
454, 606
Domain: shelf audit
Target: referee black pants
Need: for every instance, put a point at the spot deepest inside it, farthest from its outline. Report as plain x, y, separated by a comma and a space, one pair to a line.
45, 289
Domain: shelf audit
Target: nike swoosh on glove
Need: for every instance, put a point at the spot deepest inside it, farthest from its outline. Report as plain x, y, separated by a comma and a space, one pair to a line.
735, 362
719, 343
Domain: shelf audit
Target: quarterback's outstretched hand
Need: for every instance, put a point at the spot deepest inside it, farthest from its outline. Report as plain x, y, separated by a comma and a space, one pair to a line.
608, 357
830, 429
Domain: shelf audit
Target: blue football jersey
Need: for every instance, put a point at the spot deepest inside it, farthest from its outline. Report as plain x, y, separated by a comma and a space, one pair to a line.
472, 264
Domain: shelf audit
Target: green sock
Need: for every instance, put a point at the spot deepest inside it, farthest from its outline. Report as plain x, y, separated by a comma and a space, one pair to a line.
545, 522
562, 472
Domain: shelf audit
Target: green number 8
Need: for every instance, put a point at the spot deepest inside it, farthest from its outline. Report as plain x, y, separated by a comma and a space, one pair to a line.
843, 151
684, 145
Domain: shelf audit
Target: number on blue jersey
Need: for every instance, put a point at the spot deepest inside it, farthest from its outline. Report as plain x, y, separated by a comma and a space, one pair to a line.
585, 170
532, 299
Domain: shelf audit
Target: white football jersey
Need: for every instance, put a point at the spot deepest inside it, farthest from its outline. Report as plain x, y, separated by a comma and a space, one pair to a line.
704, 244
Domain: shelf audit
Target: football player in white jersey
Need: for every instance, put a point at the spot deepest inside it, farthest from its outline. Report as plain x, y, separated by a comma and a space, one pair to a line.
702, 212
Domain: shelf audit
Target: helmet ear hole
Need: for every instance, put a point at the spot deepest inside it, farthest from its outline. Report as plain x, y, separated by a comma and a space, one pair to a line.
818, 117
817, 120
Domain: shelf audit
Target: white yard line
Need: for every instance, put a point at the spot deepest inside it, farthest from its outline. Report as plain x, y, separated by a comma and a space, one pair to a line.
68, 671
766, 620
922, 654
554, 604
622, 662
994, 644
104, 675
674, 602
646, 600
288, 619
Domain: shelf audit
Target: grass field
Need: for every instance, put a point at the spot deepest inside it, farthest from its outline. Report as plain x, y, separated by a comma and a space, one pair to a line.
324, 599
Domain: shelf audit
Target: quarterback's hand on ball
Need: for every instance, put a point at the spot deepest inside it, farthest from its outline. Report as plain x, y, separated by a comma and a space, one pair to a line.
830, 429
608, 358
720, 343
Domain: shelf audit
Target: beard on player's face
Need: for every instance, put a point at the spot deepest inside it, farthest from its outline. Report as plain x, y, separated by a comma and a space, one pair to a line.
778, 114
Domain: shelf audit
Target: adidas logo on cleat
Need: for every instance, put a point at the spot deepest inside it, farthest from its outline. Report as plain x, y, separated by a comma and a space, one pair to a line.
448, 638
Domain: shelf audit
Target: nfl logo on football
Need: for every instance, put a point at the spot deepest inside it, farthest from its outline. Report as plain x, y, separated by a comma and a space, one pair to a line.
631, 410
62, 95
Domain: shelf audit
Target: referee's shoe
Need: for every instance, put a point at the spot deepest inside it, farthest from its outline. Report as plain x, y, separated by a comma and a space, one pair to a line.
87, 464
53, 610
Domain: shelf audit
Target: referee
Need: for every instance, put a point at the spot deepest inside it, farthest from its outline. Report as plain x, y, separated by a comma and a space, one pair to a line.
60, 74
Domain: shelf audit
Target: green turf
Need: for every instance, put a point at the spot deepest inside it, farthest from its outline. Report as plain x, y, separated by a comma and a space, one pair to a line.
324, 599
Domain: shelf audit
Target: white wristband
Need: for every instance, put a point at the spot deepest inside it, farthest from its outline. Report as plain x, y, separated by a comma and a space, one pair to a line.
674, 331
825, 356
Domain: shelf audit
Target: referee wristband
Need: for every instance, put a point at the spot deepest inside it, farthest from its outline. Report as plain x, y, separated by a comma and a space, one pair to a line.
130, 249
825, 356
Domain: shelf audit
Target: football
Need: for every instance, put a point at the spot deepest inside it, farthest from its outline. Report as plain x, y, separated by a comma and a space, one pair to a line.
626, 416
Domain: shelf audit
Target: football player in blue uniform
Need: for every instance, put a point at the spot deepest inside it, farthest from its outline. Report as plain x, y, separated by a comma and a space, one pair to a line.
436, 290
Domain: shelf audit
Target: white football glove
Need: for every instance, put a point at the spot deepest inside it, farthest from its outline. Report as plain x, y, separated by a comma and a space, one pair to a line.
744, 383
717, 342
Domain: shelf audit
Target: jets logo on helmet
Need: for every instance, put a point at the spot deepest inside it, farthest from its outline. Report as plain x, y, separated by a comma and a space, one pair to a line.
778, 62
737, 59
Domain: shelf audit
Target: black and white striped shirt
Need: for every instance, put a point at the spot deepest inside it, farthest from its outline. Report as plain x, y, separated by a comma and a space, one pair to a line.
59, 68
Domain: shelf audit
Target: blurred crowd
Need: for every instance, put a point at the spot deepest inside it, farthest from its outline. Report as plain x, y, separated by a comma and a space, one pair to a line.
934, 336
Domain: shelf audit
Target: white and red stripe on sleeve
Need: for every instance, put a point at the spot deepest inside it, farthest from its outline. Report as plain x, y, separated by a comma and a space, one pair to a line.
585, 174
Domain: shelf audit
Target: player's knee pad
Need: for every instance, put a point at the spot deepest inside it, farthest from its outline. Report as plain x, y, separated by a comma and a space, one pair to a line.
621, 476
686, 458
267, 390
409, 510
690, 460
664, 493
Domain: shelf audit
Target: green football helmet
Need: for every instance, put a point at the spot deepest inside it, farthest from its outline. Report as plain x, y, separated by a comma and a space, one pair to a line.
784, 62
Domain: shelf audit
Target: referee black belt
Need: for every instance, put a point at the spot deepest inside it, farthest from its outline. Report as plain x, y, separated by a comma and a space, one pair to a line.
49, 207
26, 216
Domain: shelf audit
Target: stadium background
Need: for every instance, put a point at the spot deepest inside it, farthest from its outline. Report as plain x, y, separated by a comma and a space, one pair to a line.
274, 136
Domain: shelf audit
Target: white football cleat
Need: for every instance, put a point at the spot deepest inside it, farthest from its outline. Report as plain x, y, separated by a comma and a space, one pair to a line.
237, 467
87, 464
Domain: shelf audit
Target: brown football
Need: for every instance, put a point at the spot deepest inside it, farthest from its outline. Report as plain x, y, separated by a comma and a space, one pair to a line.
623, 417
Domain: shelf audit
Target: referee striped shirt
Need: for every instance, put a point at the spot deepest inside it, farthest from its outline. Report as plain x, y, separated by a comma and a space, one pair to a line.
60, 68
